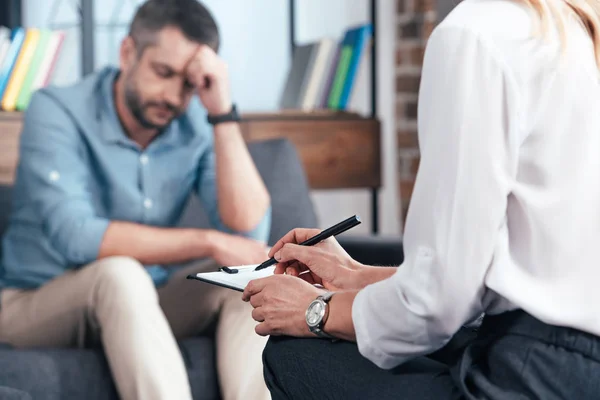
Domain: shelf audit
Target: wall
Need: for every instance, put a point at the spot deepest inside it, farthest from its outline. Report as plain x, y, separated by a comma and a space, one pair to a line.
415, 21
256, 46
317, 18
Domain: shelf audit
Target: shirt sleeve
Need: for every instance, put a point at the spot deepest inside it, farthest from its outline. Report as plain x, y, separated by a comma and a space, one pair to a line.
207, 192
467, 127
53, 173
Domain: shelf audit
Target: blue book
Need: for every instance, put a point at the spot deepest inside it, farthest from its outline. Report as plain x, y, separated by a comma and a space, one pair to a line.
6, 69
361, 37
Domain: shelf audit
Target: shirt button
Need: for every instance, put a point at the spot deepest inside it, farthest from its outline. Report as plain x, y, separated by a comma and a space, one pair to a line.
54, 176
147, 204
144, 159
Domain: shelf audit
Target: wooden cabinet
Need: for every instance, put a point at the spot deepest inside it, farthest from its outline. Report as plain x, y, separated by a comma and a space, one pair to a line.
337, 150
10, 128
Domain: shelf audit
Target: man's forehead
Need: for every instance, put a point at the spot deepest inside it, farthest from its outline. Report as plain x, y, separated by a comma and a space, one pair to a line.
173, 48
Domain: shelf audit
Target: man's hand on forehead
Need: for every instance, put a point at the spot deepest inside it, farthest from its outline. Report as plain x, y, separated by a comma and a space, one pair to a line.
201, 66
209, 74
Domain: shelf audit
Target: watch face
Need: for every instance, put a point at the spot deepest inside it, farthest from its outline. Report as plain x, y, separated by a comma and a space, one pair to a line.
315, 313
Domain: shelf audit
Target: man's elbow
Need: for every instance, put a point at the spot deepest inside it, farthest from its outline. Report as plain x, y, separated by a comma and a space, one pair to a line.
78, 240
245, 219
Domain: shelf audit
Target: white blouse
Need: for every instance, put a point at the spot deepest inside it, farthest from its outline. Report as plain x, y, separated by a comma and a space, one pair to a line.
505, 212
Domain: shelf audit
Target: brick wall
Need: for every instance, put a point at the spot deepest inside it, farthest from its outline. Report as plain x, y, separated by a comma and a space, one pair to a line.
415, 21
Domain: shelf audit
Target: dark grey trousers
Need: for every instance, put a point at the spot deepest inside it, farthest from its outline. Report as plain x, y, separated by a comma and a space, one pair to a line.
513, 356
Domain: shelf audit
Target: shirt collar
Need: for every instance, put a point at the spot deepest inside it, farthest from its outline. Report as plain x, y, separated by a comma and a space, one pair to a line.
111, 129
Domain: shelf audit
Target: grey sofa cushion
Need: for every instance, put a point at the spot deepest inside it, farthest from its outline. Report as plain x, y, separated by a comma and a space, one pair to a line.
62, 374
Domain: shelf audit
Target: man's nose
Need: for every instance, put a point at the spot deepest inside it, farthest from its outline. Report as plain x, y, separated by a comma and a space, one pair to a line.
173, 96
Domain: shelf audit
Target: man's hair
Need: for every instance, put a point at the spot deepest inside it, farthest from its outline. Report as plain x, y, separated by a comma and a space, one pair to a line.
189, 16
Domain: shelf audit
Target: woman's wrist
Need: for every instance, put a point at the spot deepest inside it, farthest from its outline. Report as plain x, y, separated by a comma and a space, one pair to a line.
366, 275
339, 319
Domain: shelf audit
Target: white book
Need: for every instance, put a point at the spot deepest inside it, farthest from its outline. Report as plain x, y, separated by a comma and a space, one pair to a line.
236, 281
4, 43
318, 73
49, 60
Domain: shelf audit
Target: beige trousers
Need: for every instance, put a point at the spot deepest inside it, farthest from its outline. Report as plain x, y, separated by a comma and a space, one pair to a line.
114, 301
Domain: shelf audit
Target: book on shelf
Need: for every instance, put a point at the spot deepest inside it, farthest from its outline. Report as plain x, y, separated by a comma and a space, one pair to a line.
16, 41
4, 42
23, 62
27, 62
323, 74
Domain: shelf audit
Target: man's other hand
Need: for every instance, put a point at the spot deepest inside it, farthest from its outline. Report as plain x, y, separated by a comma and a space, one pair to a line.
236, 250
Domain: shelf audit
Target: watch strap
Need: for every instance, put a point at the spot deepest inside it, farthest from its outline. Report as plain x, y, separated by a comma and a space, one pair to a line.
326, 297
231, 116
320, 333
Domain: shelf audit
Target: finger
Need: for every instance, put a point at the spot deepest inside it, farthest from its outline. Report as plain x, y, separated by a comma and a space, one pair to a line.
258, 314
302, 254
257, 300
262, 329
280, 268
192, 68
205, 51
196, 75
293, 269
308, 277
202, 67
192, 60
294, 236
254, 287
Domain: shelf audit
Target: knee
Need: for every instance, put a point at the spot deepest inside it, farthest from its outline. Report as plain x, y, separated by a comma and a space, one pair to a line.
283, 361
270, 362
279, 353
123, 276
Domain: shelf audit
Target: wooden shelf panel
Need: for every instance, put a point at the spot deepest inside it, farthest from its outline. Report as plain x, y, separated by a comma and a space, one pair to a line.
10, 128
336, 154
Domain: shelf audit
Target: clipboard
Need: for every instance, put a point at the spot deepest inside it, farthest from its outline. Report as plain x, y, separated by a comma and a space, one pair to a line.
238, 280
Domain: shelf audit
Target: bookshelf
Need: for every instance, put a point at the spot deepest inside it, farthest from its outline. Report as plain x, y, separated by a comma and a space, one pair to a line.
11, 17
373, 86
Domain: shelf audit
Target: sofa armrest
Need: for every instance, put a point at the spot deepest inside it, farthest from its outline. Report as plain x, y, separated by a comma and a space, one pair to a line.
373, 250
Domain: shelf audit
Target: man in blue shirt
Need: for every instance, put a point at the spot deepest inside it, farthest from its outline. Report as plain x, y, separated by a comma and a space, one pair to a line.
105, 169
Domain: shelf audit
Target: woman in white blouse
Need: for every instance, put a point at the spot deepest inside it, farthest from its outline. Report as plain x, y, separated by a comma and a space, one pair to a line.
504, 220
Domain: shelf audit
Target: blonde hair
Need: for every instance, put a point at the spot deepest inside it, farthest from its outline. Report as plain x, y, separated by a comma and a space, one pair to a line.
588, 12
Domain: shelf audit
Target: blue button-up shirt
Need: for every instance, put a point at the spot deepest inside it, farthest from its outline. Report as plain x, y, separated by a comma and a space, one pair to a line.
78, 170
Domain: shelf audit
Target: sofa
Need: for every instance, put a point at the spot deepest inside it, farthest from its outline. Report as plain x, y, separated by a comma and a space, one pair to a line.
53, 374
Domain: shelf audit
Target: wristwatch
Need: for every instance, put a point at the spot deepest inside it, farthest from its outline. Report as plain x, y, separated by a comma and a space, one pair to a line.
231, 116
317, 313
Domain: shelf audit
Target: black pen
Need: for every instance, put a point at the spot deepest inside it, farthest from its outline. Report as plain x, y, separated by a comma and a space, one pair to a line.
327, 233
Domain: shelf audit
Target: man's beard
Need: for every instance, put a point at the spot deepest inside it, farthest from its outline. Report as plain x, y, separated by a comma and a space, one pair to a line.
138, 108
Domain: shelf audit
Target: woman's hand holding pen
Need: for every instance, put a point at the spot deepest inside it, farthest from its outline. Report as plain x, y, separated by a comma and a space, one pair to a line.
280, 301
325, 263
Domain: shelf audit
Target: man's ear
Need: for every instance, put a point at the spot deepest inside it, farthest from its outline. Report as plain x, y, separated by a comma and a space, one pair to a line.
127, 54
